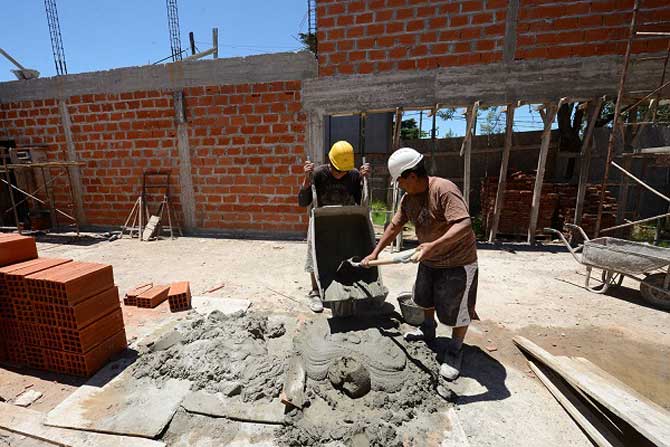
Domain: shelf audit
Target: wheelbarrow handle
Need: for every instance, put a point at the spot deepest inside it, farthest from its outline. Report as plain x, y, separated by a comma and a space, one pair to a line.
567, 244
578, 228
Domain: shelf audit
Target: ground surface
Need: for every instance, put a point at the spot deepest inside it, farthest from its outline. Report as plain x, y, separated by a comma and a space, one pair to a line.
533, 293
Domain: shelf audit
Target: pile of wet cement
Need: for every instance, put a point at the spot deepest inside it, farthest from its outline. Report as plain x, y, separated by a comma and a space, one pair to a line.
402, 406
220, 353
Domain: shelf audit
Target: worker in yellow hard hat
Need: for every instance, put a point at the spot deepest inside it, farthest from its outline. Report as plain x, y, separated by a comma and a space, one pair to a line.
336, 183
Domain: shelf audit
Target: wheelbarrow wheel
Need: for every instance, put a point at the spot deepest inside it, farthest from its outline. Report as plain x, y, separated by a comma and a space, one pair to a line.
651, 289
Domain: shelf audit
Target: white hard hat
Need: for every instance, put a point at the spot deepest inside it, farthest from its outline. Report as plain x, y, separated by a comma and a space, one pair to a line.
401, 160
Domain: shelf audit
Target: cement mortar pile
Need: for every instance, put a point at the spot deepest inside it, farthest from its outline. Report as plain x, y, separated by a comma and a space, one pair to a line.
219, 353
399, 406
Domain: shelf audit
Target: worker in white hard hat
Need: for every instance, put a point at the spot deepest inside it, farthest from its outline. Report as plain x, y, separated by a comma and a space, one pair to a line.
446, 282
336, 183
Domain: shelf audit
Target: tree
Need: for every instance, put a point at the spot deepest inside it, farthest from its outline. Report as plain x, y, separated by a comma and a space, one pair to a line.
308, 41
491, 124
409, 130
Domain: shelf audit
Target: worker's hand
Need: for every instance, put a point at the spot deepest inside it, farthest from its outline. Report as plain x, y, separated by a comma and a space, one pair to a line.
365, 169
423, 252
308, 168
368, 258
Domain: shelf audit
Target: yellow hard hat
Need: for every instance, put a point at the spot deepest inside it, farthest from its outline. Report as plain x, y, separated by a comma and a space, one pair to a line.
341, 156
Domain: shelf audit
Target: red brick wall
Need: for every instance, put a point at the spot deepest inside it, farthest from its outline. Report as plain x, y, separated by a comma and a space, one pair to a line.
246, 144
569, 28
356, 36
373, 36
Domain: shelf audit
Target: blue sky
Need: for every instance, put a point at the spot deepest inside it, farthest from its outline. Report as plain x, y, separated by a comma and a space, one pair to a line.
99, 35
102, 34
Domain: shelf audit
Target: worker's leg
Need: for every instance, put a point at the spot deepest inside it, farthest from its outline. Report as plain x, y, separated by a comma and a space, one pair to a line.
455, 293
315, 303
423, 297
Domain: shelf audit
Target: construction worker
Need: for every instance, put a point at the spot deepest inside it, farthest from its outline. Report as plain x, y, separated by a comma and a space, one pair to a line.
336, 183
446, 281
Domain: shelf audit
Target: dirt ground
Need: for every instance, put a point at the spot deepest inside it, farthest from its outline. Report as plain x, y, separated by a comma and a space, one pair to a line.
533, 292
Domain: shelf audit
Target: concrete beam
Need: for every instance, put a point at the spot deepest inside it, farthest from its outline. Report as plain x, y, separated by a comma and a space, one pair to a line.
187, 194
75, 173
536, 81
172, 76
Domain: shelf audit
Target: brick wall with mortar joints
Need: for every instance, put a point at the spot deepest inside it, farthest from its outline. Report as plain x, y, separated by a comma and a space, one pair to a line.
247, 144
567, 28
369, 36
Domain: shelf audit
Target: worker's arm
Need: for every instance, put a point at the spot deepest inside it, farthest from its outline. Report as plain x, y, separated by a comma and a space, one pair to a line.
389, 234
451, 237
305, 194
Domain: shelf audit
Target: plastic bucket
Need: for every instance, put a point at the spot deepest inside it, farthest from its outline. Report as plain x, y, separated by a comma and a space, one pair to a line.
411, 313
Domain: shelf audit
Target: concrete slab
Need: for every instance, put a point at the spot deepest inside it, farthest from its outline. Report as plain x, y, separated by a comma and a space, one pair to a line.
202, 402
124, 405
30, 423
206, 304
27, 398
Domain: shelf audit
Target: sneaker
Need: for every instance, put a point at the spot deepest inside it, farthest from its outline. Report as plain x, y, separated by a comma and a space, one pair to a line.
451, 364
315, 303
425, 332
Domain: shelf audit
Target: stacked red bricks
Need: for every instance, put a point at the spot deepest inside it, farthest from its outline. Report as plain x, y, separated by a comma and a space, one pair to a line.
557, 205
149, 296
56, 314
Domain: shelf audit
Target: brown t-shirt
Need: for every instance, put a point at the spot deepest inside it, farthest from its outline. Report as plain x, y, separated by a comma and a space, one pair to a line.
433, 213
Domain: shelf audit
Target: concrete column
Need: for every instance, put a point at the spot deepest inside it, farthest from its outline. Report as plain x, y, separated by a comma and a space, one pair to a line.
315, 136
187, 195
510, 31
75, 174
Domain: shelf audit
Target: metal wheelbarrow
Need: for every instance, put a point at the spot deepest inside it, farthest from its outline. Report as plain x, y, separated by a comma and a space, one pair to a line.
619, 258
339, 233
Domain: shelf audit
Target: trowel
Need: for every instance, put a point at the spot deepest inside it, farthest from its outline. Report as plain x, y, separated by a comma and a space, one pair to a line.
401, 257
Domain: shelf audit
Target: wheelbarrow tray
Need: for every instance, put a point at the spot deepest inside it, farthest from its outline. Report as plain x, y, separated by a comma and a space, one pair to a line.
622, 256
339, 233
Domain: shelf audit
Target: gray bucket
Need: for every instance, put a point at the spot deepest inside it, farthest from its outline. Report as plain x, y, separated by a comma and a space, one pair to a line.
411, 313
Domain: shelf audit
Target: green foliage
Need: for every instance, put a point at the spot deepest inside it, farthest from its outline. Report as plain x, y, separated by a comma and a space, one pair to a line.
378, 212
492, 123
446, 114
409, 130
478, 227
308, 41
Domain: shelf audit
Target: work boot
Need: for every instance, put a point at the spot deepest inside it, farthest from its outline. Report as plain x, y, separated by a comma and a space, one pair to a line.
425, 332
315, 303
450, 368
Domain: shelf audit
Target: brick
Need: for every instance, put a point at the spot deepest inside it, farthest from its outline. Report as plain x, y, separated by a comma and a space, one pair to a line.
70, 283
153, 297
85, 365
80, 315
82, 341
131, 295
16, 248
179, 296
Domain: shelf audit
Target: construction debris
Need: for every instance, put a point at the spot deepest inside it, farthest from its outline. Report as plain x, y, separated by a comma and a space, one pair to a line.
27, 398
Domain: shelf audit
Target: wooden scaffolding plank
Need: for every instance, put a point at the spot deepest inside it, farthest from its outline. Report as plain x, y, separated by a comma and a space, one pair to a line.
466, 149
502, 178
551, 110
585, 165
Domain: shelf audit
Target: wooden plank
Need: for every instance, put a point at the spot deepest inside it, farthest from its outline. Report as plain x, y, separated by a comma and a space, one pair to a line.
294, 383
586, 417
622, 200
585, 157
552, 109
502, 178
466, 150
643, 184
30, 423
649, 419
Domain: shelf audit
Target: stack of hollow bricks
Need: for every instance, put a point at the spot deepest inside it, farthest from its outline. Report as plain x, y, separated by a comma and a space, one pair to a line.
246, 143
149, 296
56, 314
366, 36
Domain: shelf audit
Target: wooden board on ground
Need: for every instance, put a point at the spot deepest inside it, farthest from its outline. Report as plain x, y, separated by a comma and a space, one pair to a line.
294, 384
125, 405
455, 436
206, 304
29, 423
209, 404
591, 421
150, 229
646, 417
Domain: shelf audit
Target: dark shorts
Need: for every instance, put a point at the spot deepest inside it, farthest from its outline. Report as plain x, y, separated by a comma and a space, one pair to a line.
452, 292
